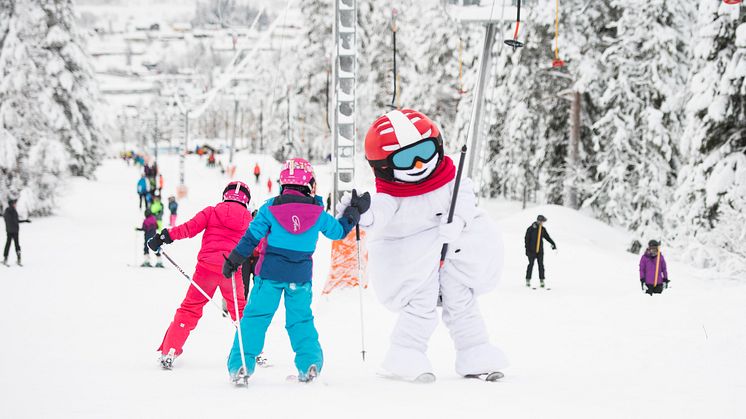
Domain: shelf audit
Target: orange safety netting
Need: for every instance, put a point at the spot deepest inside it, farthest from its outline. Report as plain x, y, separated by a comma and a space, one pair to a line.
344, 270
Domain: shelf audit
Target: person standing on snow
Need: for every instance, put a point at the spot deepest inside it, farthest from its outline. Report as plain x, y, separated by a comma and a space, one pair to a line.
12, 229
652, 262
149, 228
156, 207
408, 226
173, 207
257, 173
223, 226
142, 190
534, 242
269, 185
291, 223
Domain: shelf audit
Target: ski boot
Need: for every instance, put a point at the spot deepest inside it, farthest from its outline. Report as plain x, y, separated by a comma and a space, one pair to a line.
167, 361
240, 377
542, 283
310, 375
262, 361
528, 282
5, 261
158, 262
491, 376
146, 264
18, 258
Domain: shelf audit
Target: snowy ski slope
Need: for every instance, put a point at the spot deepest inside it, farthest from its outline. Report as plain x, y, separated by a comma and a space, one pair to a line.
80, 327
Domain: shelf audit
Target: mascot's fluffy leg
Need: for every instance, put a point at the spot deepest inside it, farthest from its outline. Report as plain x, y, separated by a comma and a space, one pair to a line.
417, 320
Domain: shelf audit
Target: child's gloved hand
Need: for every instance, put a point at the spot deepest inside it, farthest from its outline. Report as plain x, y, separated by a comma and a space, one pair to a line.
352, 214
158, 240
449, 232
361, 202
232, 263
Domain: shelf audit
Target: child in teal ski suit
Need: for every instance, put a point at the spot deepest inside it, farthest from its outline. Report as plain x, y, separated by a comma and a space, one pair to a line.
291, 223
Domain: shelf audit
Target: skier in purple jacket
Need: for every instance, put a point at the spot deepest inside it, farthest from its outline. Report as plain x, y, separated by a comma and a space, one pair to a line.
648, 269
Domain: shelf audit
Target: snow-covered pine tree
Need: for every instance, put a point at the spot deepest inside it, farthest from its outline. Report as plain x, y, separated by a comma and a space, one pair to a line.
48, 102
433, 40
711, 196
635, 137
313, 90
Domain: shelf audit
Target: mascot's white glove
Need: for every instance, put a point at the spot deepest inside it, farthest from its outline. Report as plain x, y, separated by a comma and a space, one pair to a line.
449, 232
343, 203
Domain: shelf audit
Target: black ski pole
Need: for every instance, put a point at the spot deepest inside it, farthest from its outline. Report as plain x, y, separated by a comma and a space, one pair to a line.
452, 209
360, 286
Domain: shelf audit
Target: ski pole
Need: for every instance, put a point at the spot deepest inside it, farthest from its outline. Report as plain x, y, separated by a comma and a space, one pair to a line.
238, 325
452, 209
194, 284
360, 286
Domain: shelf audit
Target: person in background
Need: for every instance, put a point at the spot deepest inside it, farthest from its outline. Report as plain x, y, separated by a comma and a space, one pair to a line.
160, 183
652, 262
149, 228
142, 190
156, 207
12, 230
257, 173
269, 185
173, 207
534, 242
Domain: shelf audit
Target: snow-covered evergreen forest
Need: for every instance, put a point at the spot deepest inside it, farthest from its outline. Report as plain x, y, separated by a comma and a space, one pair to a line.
661, 86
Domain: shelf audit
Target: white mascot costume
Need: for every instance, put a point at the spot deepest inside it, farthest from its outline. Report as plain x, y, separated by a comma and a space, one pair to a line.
407, 226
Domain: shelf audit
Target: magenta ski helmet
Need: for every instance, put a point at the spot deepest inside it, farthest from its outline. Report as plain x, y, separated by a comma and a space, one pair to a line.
297, 172
237, 191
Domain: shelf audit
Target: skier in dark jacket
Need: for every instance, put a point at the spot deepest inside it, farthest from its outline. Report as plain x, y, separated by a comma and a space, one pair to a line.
535, 248
650, 265
11, 229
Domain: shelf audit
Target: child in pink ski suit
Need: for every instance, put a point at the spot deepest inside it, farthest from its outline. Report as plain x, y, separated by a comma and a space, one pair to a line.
223, 226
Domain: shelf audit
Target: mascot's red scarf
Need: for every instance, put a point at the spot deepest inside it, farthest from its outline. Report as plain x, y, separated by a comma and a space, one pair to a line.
444, 173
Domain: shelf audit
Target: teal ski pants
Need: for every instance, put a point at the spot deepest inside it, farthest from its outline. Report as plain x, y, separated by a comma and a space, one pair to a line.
263, 302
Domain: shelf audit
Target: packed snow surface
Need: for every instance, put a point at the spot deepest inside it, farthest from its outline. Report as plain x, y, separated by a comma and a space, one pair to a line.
81, 326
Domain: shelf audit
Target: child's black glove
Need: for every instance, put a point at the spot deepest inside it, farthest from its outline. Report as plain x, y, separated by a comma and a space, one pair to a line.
232, 263
157, 241
361, 202
352, 214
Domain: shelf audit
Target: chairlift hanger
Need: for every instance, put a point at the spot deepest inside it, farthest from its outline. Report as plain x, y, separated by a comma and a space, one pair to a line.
515, 43
557, 62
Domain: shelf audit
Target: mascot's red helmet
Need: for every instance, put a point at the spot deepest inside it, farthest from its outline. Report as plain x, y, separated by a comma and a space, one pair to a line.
399, 139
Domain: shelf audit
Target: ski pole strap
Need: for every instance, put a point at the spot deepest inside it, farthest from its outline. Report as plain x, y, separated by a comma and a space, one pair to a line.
452, 209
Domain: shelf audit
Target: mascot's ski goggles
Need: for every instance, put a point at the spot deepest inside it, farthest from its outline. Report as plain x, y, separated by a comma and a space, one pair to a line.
407, 157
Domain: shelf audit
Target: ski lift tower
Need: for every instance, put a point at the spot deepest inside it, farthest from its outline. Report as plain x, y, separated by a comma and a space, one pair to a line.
343, 102
488, 13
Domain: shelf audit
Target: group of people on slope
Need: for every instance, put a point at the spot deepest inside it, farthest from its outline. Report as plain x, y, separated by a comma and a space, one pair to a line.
653, 270
407, 222
149, 194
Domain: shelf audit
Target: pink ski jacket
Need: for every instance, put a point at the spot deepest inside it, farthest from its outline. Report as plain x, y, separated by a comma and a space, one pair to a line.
224, 225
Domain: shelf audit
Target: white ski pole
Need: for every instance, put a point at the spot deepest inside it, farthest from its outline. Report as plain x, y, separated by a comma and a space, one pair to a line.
195, 285
360, 287
238, 324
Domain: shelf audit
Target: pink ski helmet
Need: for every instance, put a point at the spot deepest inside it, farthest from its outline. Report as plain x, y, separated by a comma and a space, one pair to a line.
237, 192
297, 172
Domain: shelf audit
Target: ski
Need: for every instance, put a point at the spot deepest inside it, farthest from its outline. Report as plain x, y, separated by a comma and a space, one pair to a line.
424, 378
304, 378
491, 377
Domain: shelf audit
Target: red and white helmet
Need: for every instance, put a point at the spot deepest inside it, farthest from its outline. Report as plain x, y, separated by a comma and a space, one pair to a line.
297, 171
399, 139
237, 192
